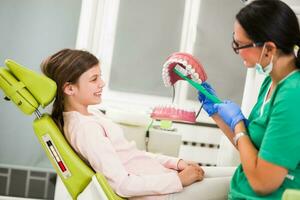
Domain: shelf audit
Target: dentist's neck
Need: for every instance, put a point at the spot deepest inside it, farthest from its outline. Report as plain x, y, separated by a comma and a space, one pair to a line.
283, 66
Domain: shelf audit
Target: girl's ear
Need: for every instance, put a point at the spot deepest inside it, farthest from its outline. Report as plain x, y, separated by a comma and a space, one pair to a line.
68, 89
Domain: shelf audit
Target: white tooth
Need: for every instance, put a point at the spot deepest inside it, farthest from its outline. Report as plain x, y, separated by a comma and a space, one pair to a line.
196, 76
168, 63
185, 63
164, 75
167, 74
167, 79
173, 60
192, 71
177, 59
182, 70
188, 67
165, 66
199, 80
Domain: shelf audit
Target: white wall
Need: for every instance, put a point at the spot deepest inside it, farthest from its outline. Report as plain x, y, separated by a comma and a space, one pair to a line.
30, 31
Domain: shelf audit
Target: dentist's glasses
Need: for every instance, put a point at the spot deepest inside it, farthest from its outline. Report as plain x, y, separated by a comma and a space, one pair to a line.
236, 46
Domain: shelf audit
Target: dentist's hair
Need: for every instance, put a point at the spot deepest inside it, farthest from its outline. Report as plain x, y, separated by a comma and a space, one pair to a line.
66, 66
271, 20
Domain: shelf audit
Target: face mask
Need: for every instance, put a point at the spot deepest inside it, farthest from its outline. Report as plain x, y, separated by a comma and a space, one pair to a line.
266, 70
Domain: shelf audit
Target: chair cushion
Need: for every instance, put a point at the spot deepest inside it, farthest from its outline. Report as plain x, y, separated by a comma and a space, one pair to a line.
41, 87
16, 92
73, 171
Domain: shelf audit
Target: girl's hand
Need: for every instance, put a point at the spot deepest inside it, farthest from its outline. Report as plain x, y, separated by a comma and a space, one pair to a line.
182, 164
191, 174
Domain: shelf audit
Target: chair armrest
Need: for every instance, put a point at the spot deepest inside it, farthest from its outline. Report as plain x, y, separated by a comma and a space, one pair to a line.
111, 195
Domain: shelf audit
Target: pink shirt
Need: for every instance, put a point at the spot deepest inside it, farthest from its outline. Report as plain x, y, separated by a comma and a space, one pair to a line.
129, 171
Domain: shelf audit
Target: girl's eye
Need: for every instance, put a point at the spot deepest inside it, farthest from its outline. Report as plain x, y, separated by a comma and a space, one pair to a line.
94, 79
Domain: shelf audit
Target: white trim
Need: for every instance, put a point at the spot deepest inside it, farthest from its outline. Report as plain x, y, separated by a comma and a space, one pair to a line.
105, 34
86, 24
188, 39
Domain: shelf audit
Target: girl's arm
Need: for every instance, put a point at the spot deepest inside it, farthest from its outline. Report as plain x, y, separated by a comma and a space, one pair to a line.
89, 140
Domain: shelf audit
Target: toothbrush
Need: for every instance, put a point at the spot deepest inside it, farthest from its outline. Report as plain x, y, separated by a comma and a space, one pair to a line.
178, 70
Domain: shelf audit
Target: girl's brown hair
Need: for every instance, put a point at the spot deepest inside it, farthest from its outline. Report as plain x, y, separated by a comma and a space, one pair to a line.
65, 66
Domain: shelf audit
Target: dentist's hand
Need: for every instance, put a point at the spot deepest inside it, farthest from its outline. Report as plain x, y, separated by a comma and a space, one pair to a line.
230, 113
208, 105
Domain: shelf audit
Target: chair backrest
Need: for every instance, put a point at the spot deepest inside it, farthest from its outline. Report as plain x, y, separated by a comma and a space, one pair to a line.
28, 89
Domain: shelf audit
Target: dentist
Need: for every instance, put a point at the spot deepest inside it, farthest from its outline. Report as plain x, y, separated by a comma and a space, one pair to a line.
266, 36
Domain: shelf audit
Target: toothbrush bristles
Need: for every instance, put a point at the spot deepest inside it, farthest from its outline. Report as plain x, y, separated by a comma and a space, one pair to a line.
181, 69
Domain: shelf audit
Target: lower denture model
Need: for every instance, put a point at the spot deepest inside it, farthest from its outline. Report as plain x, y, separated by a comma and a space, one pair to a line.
180, 66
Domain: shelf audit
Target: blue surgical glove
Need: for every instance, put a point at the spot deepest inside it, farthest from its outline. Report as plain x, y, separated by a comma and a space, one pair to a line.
230, 113
208, 105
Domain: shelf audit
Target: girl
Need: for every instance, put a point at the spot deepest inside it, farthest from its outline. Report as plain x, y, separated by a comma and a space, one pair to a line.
130, 172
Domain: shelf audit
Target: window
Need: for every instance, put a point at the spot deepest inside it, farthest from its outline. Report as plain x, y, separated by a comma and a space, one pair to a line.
134, 38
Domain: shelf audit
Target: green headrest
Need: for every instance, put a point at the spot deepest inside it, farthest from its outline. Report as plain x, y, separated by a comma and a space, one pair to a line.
26, 88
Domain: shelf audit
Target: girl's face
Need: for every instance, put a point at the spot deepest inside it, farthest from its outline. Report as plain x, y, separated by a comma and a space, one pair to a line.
88, 89
250, 55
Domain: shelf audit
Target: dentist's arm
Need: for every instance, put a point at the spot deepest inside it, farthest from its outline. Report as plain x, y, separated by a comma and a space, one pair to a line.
263, 176
224, 127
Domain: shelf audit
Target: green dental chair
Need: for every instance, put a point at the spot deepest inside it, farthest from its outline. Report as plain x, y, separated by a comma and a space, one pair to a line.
28, 90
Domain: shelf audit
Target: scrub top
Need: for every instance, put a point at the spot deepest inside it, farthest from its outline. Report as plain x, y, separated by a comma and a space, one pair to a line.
274, 129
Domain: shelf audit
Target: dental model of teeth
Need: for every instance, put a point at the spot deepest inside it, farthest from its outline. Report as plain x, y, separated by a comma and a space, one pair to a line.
173, 113
190, 67
186, 64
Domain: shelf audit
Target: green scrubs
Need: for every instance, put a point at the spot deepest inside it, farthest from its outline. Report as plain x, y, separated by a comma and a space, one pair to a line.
274, 130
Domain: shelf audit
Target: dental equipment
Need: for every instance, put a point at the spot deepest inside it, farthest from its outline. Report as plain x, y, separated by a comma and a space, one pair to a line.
182, 66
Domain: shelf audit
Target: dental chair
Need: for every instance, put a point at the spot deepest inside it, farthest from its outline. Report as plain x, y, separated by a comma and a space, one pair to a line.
28, 90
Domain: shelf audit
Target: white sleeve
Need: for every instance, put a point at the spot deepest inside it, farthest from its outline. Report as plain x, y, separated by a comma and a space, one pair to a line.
90, 141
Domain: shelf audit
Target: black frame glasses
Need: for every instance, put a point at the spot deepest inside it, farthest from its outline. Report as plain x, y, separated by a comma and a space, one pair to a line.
236, 47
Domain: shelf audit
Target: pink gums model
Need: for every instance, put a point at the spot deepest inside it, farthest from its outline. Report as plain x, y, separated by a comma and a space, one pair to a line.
194, 70
173, 114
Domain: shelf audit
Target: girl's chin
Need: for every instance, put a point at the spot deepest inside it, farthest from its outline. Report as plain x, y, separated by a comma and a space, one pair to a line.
98, 101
